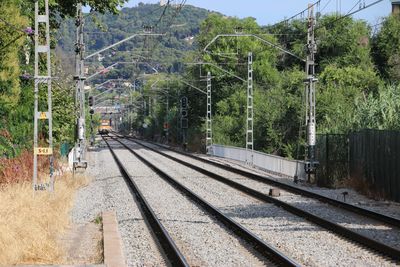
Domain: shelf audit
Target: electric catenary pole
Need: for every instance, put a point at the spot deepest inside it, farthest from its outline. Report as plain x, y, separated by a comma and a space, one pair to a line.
42, 80
167, 121
250, 112
79, 155
311, 164
209, 141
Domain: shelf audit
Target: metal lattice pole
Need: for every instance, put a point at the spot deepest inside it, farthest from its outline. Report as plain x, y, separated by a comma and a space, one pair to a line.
80, 148
310, 95
209, 141
40, 78
167, 120
250, 112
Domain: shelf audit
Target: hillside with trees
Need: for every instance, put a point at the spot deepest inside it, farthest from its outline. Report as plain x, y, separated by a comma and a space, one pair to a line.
357, 71
164, 53
355, 88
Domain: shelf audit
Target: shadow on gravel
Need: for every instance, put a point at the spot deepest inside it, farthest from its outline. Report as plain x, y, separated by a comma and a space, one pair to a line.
288, 222
102, 179
187, 221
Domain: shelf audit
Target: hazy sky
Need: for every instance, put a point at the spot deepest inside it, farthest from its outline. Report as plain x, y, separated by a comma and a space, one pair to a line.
271, 11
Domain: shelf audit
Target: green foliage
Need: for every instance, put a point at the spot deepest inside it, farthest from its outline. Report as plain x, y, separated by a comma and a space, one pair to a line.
387, 48
11, 42
232, 52
338, 92
230, 118
346, 77
164, 53
344, 42
379, 112
63, 115
350, 93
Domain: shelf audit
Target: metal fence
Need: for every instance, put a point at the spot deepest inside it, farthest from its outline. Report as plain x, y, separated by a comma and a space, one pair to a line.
375, 159
369, 156
332, 152
270, 163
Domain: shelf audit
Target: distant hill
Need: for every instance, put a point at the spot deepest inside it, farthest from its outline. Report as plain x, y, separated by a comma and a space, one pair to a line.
163, 53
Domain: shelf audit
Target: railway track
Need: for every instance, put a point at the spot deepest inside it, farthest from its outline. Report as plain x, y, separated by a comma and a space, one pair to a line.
385, 219
174, 256
362, 240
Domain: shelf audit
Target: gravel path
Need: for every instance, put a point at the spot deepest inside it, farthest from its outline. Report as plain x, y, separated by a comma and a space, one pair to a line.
371, 228
108, 191
202, 240
305, 242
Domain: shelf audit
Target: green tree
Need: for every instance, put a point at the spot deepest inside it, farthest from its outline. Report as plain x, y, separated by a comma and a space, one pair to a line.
387, 48
379, 112
344, 42
11, 43
339, 90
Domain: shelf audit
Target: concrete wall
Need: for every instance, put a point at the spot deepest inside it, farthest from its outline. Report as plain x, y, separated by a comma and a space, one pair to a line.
270, 163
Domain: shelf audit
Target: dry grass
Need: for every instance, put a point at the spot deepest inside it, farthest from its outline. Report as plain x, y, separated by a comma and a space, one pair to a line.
20, 169
363, 187
30, 225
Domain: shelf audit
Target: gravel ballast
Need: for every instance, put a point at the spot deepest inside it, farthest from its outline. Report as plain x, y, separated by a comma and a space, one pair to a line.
368, 227
108, 191
202, 240
305, 242
389, 208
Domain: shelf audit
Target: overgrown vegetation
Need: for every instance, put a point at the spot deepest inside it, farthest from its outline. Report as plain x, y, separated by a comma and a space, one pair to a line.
358, 84
31, 225
358, 75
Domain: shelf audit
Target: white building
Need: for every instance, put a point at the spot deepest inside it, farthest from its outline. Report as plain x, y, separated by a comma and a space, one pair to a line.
171, 2
395, 6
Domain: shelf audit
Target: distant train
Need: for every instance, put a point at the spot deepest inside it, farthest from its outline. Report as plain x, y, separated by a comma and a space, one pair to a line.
105, 126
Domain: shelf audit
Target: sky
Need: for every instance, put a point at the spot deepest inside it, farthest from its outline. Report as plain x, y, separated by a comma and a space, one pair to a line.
272, 11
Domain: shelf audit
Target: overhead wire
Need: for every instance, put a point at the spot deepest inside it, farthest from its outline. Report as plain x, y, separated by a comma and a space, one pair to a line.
348, 14
299, 13
170, 22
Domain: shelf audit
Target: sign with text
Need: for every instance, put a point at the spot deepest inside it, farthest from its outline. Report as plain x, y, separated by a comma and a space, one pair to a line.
43, 150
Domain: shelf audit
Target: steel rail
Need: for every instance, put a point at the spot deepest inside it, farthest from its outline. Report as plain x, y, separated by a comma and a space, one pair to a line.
293, 189
362, 240
169, 247
259, 245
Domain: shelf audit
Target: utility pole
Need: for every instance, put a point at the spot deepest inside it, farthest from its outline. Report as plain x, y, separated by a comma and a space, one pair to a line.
42, 77
184, 120
167, 121
250, 112
209, 141
311, 163
80, 148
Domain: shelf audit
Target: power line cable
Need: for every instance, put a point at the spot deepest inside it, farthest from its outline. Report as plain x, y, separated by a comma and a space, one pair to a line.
326, 5
299, 13
348, 14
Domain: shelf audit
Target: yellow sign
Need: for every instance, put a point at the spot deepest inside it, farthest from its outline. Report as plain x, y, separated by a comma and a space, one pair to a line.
43, 115
43, 150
